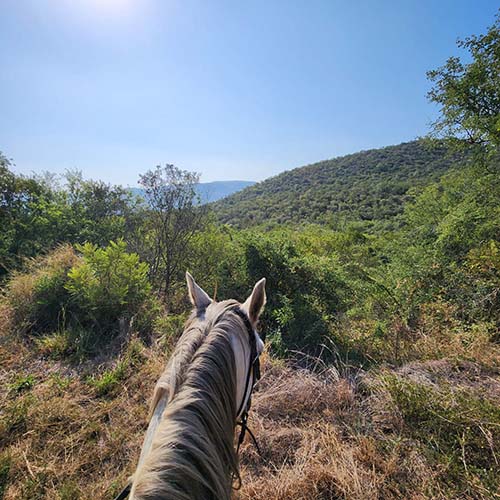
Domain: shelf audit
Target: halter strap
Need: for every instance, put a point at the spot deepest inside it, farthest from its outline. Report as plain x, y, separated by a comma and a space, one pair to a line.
254, 373
253, 365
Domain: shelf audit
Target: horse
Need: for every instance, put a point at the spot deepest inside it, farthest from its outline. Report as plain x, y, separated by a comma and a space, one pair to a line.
188, 451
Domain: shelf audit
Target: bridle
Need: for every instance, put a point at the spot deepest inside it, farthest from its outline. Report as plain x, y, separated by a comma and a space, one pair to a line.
253, 365
253, 373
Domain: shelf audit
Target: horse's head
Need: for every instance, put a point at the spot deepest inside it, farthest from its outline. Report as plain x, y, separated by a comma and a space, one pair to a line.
246, 342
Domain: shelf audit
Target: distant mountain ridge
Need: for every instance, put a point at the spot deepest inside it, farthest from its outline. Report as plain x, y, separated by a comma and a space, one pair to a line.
370, 186
210, 192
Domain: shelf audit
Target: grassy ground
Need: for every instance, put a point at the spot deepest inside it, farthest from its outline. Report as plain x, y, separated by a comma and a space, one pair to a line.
424, 430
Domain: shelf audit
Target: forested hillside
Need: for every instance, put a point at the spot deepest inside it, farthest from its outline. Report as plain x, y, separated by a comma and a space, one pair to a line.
367, 186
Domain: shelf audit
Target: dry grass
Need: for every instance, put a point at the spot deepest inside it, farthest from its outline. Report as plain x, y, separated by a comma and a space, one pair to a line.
438, 333
26, 291
21, 283
63, 439
318, 441
322, 436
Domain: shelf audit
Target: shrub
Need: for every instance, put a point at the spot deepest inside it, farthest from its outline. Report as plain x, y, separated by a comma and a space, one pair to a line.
304, 280
305, 290
168, 328
481, 288
74, 302
109, 285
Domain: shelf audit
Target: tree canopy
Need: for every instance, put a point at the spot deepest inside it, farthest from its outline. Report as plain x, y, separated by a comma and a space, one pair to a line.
468, 93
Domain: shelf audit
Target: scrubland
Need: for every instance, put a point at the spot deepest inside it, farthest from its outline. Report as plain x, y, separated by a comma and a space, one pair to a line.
381, 377
425, 429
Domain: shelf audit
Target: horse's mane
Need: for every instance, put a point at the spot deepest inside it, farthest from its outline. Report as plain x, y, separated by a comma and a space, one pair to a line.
192, 454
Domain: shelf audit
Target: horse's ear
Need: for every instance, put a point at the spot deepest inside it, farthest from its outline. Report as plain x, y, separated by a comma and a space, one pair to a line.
256, 302
198, 297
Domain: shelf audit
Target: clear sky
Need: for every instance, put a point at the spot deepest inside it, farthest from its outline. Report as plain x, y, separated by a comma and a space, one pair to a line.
232, 89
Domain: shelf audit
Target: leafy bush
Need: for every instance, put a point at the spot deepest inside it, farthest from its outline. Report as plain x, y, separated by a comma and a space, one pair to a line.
169, 327
36, 214
75, 302
481, 291
110, 286
306, 290
305, 284
448, 249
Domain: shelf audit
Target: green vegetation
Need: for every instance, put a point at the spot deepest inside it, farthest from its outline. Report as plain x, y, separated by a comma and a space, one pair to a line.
37, 295
13, 420
23, 383
4, 472
109, 380
469, 93
370, 187
108, 286
383, 274
55, 345
37, 213
77, 302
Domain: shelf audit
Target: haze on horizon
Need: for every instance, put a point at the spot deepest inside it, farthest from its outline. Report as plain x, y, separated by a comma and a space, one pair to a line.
234, 91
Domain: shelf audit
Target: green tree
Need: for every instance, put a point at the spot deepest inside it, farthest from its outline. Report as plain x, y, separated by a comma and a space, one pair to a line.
28, 209
36, 213
468, 94
99, 212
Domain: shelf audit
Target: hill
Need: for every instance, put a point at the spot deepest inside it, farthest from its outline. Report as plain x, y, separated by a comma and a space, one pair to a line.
370, 185
212, 191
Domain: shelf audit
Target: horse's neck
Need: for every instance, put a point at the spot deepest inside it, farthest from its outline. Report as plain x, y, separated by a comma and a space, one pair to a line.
188, 451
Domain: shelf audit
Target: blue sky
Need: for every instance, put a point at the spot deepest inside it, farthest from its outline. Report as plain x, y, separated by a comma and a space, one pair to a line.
231, 89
